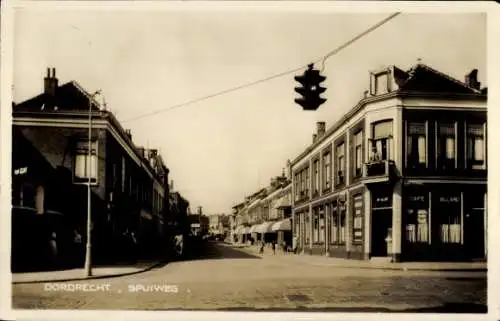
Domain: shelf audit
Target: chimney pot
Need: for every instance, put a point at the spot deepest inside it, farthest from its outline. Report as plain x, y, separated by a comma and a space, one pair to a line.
320, 127
314, 138
50, 82
471, 79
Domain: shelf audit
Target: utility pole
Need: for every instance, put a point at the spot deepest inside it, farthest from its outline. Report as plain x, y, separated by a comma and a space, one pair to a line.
88, 168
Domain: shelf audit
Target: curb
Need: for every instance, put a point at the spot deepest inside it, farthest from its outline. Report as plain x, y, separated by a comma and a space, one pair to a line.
114, 275
391, 268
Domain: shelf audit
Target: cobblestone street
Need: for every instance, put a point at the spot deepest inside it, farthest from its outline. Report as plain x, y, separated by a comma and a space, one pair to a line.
231, 278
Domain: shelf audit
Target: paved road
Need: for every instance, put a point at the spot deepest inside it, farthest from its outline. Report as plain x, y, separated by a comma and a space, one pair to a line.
224, 277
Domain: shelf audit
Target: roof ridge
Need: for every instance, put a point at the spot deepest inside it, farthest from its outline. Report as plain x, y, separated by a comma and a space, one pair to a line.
442, 74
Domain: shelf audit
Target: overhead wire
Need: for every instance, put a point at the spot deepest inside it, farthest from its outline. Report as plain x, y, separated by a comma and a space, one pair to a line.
278, 75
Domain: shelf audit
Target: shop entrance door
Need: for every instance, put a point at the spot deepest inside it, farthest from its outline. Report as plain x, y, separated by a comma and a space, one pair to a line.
474, 233
381, 227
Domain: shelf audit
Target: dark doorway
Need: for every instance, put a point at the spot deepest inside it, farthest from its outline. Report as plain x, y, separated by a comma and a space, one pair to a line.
474, 233
381, 227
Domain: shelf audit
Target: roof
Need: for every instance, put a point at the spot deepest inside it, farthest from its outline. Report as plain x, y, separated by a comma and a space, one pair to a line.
420, 80
71, 97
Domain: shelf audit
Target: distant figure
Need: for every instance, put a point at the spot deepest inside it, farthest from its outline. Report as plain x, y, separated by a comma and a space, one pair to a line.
273, 246
53, 248
295, 241
261, 251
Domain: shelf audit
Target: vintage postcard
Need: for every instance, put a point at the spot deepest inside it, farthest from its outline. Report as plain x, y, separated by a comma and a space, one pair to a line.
286, 158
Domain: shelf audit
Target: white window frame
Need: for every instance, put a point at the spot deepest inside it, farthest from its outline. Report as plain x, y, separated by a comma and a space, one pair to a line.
85, 180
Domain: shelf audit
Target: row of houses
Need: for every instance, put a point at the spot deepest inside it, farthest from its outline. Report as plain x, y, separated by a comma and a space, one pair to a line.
265, 215
62, 141
403, 174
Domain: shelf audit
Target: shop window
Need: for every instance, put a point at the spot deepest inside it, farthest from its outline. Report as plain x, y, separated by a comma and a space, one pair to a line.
417, 227
358, 154
342, 226
358, 220
449, 218
340, 164
334, 225
447, 146
315, 226
307, 232
321, 231
381, 142
327, 171
416, 145
85, 164
476, 146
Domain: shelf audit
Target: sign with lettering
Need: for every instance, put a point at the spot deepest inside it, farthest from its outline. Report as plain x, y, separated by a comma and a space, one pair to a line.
449, 199
381, 201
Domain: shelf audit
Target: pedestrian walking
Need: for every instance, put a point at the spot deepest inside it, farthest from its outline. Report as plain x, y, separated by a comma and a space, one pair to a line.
273, 246
294, 244
261, 251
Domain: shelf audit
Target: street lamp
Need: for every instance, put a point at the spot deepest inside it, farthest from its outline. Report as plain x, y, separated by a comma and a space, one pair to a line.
88, 247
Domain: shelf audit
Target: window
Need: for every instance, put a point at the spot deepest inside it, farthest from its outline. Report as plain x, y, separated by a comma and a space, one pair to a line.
340, 163
382, 141
321, 225
307, 183
297, 187
85, 165
417, 219
23, 194
316, 178
446, 146
334, 225
342, 225
381, 83
417, 145
475, 146
315, 214
449, 219
358, 154
327, 168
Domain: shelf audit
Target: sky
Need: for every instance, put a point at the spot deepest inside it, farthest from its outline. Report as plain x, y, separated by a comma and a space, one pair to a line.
221, 149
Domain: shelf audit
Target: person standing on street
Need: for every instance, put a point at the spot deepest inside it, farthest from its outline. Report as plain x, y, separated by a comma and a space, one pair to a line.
294, 243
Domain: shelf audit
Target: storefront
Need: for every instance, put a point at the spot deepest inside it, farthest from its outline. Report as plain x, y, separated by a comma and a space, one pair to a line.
444, 222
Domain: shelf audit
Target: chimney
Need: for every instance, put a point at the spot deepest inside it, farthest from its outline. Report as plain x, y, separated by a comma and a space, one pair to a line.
471, 79
314, 138
320, 128
50, 82
365, 93
129, 133
141, 151
152, 153
171, 185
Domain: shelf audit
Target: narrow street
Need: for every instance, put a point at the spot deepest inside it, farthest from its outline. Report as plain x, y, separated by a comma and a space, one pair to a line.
224, 277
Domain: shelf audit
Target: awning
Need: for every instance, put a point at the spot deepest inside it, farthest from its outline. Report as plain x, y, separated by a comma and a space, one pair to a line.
265, 227
253, 229
284, 225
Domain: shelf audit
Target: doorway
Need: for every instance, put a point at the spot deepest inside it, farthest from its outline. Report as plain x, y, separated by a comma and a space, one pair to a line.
474, 230
381, 228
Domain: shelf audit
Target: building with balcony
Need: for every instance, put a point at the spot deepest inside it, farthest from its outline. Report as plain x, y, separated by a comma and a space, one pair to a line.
402, 175
53, 163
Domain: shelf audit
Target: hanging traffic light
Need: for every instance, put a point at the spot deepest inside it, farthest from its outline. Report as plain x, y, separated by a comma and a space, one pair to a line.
311, 89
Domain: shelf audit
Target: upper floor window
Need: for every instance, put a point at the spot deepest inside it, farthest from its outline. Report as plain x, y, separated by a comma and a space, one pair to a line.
327, 171
316, 177
297, 186
475, 146
307, 181
416, 145
358, 154
85, 164
446, 145
382, 141
340, 163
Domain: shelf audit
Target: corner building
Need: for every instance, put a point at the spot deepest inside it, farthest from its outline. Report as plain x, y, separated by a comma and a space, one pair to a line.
402, 175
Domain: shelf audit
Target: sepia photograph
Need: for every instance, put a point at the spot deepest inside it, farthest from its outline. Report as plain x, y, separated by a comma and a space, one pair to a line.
249, 160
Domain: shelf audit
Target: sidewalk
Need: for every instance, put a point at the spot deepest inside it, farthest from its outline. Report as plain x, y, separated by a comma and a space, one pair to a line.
377, 263
78, 274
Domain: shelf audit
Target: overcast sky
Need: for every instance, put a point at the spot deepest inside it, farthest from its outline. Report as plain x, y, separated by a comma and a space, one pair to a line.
224, 148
